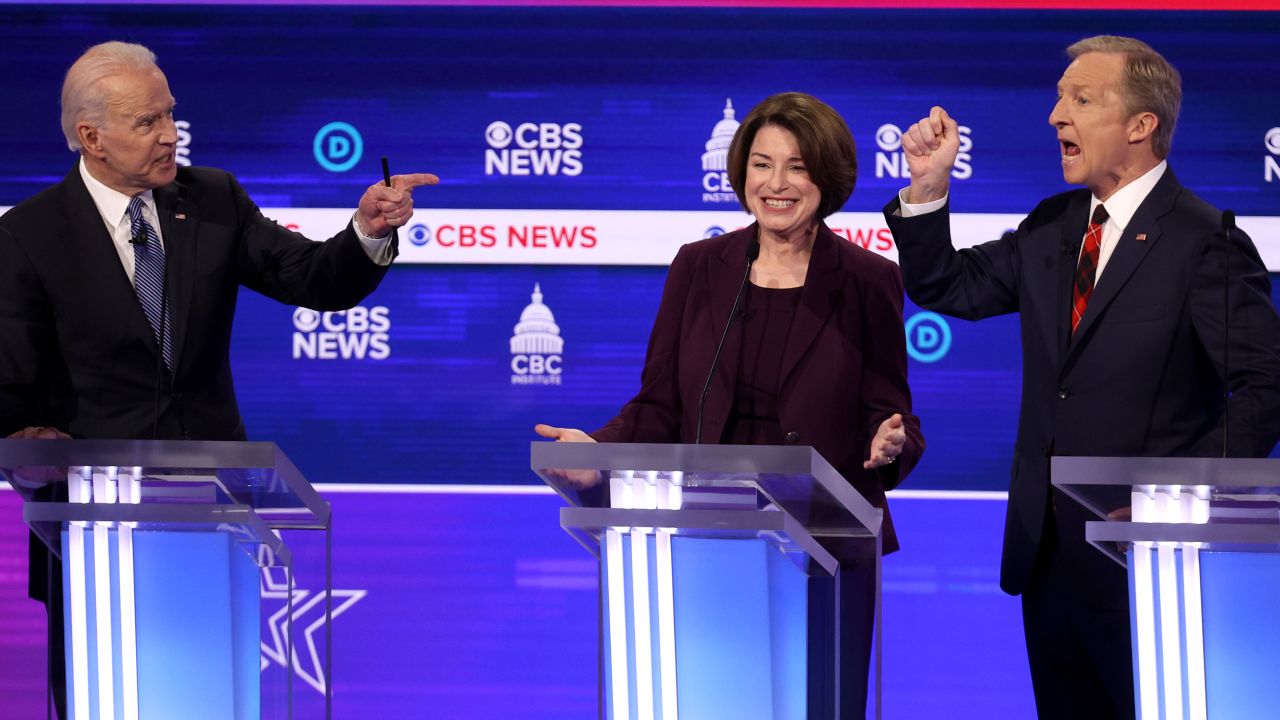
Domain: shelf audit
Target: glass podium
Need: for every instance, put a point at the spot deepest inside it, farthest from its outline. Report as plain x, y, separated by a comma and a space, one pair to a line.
718, 574
1202, 547
163, 548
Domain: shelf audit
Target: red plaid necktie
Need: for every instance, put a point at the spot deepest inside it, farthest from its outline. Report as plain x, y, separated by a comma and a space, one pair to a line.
1088, 267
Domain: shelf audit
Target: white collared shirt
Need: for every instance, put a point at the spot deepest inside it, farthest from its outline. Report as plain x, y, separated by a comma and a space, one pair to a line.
113, 206
1121, 206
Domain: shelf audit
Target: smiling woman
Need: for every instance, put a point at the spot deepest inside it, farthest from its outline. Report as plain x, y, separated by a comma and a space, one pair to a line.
817, 355
792, 163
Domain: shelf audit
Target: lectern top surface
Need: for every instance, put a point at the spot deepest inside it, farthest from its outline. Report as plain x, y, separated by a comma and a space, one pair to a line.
256, 476
796, 480
1232, 487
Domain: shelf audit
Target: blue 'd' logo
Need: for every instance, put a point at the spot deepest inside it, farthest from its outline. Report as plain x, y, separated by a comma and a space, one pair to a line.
338, 147
928, 337
419, 234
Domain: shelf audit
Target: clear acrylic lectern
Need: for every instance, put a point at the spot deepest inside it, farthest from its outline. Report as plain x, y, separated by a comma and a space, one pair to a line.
163, 549
1203, 551
714, 560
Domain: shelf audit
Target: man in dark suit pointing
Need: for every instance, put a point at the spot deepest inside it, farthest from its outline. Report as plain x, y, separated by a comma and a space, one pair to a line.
129, 269
1120, 291
118, 285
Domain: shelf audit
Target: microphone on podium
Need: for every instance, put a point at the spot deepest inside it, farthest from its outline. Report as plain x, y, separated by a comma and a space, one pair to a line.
753, 252
1228, 227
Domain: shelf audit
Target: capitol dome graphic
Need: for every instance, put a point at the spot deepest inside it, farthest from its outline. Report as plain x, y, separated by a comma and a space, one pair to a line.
717, 155
537, 332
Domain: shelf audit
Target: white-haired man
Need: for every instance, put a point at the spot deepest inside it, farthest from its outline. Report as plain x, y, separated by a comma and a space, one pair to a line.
1120, 291
118, 284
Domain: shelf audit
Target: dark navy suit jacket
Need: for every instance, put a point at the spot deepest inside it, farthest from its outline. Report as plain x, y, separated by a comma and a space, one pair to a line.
78, 352
844, 369
1142, 375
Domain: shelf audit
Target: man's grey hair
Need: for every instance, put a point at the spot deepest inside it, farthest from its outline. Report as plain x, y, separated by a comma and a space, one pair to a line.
83, 97
1151, 84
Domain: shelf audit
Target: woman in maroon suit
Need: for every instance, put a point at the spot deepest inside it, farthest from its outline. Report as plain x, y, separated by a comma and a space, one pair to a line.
817, 355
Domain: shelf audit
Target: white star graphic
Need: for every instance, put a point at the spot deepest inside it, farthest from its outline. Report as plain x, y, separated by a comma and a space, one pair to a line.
306, 664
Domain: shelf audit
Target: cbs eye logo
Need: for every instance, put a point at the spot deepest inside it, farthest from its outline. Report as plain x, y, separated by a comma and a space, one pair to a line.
498, 135
1272, 141
306, 319
419, 234
889, 137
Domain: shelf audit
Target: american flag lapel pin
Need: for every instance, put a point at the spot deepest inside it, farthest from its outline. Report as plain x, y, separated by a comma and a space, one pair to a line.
1142, 237
183, 216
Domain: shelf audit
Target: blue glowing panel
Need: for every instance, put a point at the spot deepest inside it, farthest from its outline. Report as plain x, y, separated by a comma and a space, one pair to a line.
1240, 593
196, 606
724, 611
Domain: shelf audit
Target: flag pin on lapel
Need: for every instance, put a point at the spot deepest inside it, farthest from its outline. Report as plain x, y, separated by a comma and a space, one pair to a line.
183, 216
1142, 237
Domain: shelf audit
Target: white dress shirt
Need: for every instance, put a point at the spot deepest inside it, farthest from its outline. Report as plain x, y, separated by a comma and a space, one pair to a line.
113, 206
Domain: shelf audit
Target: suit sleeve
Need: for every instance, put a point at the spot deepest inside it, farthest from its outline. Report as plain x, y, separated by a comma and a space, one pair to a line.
884, 389
29, 339
286, 266
973, 283
653, 415
1253, 343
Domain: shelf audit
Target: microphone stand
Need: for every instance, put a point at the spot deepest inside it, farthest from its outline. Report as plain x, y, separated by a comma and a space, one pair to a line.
753, 252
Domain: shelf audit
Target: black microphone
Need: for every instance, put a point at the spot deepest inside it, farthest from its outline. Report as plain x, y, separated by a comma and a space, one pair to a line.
753, 252
164, 319
140, 238
1228, 226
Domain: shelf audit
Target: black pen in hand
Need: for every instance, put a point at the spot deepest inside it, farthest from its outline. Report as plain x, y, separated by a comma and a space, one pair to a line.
386, 177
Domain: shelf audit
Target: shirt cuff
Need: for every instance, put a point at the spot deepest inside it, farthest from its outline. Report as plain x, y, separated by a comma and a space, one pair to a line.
378, 249
906, 209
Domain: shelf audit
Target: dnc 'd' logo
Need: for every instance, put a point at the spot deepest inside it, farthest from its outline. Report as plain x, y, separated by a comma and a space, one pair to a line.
928, 337
361, 333
536, 346
338, 147
891, 161
715, 161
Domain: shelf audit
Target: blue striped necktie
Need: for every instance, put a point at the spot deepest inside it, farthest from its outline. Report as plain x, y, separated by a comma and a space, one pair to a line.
148, 277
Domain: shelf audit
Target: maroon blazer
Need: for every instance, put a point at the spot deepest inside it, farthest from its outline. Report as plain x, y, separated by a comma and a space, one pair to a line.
844, 370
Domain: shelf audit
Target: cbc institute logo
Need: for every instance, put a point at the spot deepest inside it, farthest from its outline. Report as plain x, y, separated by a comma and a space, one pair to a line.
360, 333
715, 161
536, 346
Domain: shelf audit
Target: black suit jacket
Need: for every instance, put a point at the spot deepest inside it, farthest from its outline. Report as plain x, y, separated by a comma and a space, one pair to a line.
78, 352
844, 370
1142, 374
